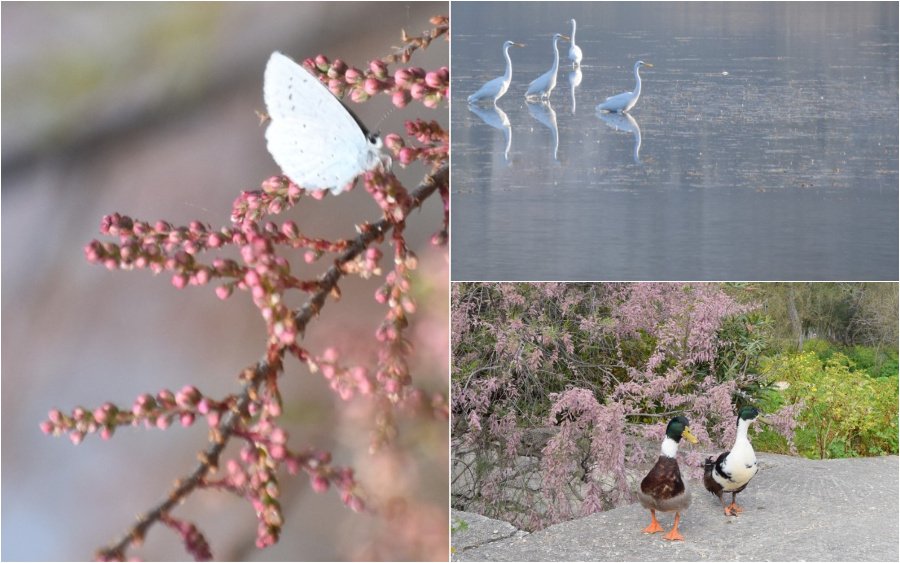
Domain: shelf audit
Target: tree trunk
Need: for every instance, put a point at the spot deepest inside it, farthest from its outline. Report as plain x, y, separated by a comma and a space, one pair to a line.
796, 325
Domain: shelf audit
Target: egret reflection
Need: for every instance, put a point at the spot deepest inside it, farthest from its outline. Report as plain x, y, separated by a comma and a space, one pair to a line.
575, 77
544, 113
496, 118
624, 122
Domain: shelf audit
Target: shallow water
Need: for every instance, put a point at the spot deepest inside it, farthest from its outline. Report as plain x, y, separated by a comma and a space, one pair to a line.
763, 147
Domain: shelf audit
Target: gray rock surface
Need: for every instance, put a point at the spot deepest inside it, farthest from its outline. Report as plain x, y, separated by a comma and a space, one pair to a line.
795, 509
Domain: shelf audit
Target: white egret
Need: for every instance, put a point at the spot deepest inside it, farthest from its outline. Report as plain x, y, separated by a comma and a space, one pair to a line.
541, 86
574, 50
494, 89
623, 102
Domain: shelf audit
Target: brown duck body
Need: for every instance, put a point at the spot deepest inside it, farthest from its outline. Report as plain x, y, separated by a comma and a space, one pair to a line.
663, 489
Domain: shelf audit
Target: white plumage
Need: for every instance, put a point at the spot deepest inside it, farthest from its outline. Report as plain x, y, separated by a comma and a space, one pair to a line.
542, 86
574, 50
317, 142
623, 102
494, 89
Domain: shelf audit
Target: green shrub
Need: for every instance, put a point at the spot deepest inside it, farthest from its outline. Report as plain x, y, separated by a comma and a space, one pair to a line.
846, 412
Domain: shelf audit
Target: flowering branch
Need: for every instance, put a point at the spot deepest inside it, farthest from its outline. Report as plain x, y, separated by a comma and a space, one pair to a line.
252, 415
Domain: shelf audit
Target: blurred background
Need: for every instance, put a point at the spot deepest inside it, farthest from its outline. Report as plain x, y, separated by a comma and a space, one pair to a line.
149, 110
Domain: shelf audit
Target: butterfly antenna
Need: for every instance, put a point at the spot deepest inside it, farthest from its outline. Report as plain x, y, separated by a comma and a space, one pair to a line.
384, 117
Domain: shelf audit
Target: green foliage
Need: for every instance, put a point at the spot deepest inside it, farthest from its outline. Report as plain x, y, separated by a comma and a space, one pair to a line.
846, 411
877, 362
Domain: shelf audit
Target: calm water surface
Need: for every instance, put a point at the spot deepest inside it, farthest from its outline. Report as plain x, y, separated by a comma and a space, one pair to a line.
763, 147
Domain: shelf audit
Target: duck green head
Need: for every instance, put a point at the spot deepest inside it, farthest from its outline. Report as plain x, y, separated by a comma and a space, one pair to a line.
751, 414
678, 427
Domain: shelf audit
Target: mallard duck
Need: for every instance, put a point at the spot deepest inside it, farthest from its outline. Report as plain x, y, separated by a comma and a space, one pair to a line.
733, 470
662, 489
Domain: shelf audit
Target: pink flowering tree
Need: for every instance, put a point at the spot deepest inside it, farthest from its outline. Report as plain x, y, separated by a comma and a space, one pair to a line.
582, 380
262, 247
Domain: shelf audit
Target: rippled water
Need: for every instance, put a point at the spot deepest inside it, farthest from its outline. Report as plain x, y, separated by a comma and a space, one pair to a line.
763, 147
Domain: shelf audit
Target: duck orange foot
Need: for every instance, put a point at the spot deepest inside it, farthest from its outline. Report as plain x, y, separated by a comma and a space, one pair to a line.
674, 535
654, 524
733, 509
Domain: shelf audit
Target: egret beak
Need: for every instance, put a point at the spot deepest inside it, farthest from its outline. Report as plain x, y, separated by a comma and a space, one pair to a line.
690, 437
566, 37
648, 64
518, 44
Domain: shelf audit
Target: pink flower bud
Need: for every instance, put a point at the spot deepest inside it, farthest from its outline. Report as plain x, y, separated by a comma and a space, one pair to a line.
378, 68
372, 86
400, 98
224, 291
407, 155
290, 229
418, 90
251, 278
319, 484
352, 76
437, 79
179, 281
47, 427
358, 95
431, 101
338, 68
393, 141
336, 87
403, 78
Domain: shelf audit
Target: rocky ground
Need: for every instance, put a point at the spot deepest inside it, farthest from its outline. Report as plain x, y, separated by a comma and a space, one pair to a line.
795, 509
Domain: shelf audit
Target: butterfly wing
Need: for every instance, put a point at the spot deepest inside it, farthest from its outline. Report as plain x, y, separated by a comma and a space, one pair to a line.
313, 137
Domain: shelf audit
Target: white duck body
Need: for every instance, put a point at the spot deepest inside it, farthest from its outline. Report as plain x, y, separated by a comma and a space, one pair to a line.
739, 465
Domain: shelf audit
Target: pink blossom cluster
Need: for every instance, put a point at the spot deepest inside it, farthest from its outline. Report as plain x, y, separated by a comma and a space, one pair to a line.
253, 476
345, 381
153, 411
404, 84
193, 540
605, 366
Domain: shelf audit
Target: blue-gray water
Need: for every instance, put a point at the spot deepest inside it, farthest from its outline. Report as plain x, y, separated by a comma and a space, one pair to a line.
768, 144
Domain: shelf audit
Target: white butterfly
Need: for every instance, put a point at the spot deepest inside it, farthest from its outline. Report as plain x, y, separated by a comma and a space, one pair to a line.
317, 142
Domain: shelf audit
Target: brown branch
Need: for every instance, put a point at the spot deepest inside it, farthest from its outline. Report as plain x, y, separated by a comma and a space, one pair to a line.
411, 44
219, 436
